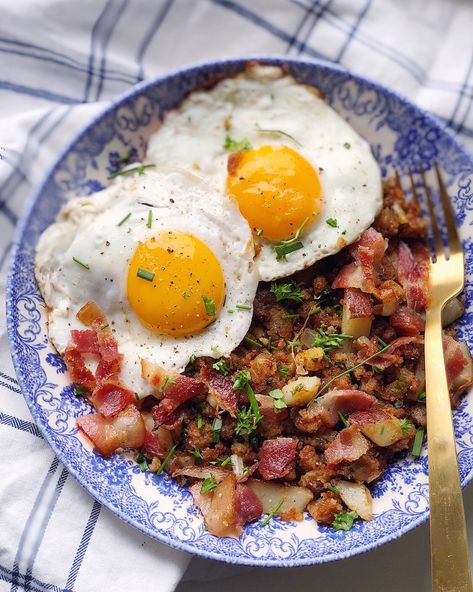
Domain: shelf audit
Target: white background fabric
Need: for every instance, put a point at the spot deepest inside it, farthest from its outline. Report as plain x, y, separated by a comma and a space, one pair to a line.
60, 63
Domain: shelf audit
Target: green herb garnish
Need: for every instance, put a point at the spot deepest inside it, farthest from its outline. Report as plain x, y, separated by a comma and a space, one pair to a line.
233, 145
242, 307
200, 421
418, 440
343, 419
166, 460
142, 463
278, 399
253, 342
167, 381
332, 489
421, 397
221, 366
149, 224
273, 512
277, 131
81, 263
259, 232
216, 429
332, 222
79, 391
138, 169
145, 275
290, 245
329, 341
225, 461
344, 520
124, 219
208, 484
209, 304
405, 425
295, 344
290, 291
283, 371
347, 145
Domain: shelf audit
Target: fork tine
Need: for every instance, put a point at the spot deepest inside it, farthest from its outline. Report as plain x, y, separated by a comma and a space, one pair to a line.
453, 238
415, 195
438, 243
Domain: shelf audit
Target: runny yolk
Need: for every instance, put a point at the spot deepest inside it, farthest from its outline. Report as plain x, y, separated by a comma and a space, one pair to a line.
276, 190
183, 283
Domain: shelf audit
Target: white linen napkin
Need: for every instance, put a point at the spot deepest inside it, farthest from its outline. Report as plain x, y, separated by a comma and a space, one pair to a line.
60, 63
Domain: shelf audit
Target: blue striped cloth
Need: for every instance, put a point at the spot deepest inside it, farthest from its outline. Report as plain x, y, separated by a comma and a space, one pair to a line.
61, 62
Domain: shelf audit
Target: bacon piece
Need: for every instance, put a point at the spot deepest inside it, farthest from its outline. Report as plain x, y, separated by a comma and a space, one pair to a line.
92, 316
125, 430
413, 273
271, 416
388, 357
407, 321
361, 418
222, 519
358, 303
248, 504
275, 457
458, 365
152, 445
85, 341
328, 406
348, 446
77, 369
221, 388
109, 398
368, 252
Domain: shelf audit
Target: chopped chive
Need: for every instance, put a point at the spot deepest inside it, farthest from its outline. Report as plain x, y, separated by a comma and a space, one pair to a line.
138, 169
230, 311
283, 371
277, 131
124, 219
81, 263
104, 327
166, 460
343, 419
290, 245
259, 232
418, 440
142, 463
273, 512
332, 489
216, 429
253, 342
221, 366
208, 484
79, 391
314, 310
405, 425
150, 219
422, 396
145, 275
225, 461
332, 222
377, 369
291, 316
200, 421
209, 304
242, 307
347, 145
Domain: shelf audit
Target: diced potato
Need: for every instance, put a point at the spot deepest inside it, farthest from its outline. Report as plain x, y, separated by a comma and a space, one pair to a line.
466, 375
300, 391
355, 327
309, 360
452, 311
165, 437
270, 494
357, 497
383, 433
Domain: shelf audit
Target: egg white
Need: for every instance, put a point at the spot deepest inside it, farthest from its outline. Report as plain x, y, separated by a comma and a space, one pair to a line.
193, 137
87, 228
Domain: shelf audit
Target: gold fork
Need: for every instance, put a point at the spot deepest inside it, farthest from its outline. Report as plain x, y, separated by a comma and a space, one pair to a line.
448, 539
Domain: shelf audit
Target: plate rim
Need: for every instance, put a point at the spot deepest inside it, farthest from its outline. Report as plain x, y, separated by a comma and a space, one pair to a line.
22, 225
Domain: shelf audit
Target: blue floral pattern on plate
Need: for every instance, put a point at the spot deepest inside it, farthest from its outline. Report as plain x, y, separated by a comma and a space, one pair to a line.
400, 135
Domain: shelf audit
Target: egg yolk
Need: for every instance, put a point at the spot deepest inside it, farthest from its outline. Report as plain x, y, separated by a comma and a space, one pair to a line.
175, 284
277, 190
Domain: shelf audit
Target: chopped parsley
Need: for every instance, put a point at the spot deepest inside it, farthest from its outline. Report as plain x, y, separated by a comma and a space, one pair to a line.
278, 399
142, 463
283, 371
233, 145
209, 304
418, 440
208, 484
329, 341
200, 422
81, 263
149, 224
79, 391
343, 419
242, 382
246, 421
347, 145
405, 425
253, 342
314, 310
138, 169
421, 397
145, 275
196, 453
273, 512
221, 366
277, 131
216, 429
332, 489
283, 248
215, 350
344, 520
332, 222
295, 344
290, 291
166, 382
123, 220
166, 460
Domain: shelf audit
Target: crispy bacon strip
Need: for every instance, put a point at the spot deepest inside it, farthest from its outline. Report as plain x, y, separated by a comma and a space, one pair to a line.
328, 406
78, 371
358, 303
275, 457
248, 504
348, 446
125, 430
390, 356
407, 322
221, 388
413, 273
458, 365
361, 418
152, 445
109, 398
271, 416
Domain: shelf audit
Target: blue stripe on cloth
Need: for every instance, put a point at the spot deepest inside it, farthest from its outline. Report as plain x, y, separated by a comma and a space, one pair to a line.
44, 523
157, 22
9, 386
20, 424
354, 30
119, 8
318, 15
84, 543
8, 377
8, 213
461, 94
267, 26
35, 585
37, 503
38, 93
307, 13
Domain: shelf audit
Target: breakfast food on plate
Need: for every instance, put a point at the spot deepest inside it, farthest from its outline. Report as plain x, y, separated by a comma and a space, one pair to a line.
306, 182
267, 398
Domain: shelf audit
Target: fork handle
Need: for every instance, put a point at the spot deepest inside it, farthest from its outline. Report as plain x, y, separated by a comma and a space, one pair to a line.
448, 538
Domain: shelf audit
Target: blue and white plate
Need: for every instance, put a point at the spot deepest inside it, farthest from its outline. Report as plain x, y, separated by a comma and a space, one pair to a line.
400, 134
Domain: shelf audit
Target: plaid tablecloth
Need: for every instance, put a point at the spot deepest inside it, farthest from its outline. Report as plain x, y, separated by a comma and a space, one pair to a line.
60, 63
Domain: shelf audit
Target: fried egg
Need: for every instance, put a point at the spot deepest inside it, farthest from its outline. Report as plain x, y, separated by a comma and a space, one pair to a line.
303, 178
169, 260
